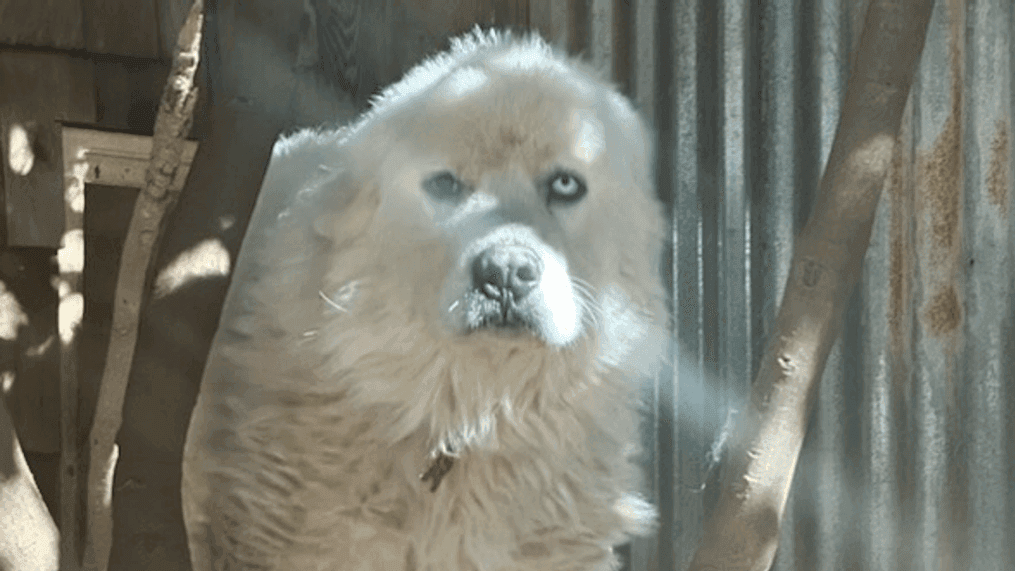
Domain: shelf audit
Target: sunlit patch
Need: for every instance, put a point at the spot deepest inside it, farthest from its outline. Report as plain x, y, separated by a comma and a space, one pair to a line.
464, 81
590, 139
60, 286
638, 515
622, 107
519, 58
226, 221
207, 259
876, 149
107, 476
72, 307
476, 434
20, 155
629, 337
40, 349
74, 193
528, 57
622, 329
71, 256
6, 381
559, 300
11, 315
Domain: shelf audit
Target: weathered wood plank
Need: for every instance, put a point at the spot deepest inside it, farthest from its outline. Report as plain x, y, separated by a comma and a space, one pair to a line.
171, 15
120, 159
359, 47
29, 353
643, 62
47, 23
51, 87
70, 311
551, 18
122, 27
127, 93
601, 36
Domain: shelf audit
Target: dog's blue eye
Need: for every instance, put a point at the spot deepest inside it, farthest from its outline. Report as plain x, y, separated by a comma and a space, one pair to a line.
444, 186
566, 188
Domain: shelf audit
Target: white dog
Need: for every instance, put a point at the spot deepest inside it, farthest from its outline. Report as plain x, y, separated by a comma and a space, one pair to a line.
430, 352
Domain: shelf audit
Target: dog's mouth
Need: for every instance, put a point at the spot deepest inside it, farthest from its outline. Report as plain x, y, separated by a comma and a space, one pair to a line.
500, 313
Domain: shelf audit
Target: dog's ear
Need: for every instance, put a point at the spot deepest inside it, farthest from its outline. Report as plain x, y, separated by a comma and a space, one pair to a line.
312, 204
315, 190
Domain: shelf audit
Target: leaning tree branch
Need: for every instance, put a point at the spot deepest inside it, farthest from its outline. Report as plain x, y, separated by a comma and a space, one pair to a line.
743, 532
175, 116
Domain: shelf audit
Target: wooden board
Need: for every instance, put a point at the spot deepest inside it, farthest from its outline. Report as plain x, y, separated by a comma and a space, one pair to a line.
128, 92
51, 87
359, 47
122, 27
48, 23
29, 361
171, 15
118, 159
551, 19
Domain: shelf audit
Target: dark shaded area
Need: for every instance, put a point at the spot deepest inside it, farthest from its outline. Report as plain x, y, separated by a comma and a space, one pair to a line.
173, 341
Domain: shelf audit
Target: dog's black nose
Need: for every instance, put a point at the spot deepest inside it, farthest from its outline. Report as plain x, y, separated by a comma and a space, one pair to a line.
506, 273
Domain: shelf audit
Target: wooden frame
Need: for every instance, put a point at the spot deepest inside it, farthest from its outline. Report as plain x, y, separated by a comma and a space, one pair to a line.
89, 157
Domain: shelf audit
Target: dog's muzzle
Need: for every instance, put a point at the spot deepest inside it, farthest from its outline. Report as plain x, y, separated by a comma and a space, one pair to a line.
504, 276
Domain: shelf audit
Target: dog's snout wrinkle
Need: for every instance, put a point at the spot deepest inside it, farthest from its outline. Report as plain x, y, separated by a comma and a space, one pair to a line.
506, 273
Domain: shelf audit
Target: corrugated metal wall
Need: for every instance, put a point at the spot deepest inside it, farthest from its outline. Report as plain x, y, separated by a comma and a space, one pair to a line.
909, 458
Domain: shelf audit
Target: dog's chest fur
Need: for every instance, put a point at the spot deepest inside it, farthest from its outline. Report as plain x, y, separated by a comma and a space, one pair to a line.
542, 490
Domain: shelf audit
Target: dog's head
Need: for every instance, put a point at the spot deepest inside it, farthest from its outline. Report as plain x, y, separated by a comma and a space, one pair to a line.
500, 194
485, 239
514, 192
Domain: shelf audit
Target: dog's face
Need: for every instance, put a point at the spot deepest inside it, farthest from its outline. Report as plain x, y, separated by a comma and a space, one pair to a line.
485, 239
515, 202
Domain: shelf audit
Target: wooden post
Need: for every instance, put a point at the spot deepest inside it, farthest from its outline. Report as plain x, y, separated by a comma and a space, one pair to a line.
71, 259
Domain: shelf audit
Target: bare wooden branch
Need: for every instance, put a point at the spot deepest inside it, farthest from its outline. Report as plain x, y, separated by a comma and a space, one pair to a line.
176, 111
743, 532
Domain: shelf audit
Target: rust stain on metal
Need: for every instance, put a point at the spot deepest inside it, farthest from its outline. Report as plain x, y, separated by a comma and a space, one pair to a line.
900, 195
941, 187
898, 292
941, 169
997, 173
942, 177
943, 313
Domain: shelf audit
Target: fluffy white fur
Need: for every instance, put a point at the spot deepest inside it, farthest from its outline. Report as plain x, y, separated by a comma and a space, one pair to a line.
345, 364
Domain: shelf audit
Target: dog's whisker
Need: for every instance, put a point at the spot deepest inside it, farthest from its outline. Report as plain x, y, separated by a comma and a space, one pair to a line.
332, 302
582, 286
586, 302
592, 319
